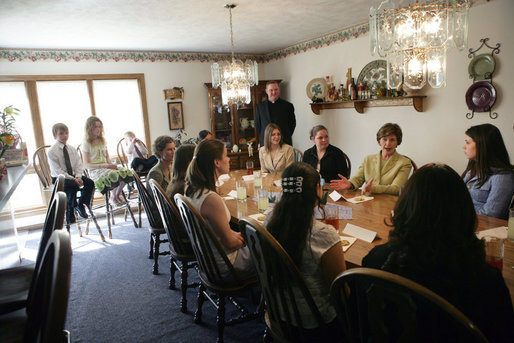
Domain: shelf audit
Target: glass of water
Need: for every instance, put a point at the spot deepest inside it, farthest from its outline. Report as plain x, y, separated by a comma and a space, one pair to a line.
262, 200
257, 179
241, 190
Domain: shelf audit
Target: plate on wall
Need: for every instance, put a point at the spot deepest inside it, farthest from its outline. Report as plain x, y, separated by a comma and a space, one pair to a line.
317, 88
482, 67
481, 96
374, 71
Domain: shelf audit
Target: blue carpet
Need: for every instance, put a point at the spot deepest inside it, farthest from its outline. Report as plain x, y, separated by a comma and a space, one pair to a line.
114, 297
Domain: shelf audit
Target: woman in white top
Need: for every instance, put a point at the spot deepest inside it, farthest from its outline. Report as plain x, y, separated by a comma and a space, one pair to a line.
210, 160
315, 247
275, 155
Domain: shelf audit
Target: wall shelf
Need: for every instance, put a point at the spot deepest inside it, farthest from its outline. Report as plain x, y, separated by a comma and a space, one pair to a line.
415, 101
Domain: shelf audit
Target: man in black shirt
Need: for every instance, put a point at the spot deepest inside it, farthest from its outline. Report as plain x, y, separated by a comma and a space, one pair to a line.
275, 110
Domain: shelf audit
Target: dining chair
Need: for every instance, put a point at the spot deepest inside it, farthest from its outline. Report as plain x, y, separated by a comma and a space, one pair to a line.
42, 168
298, 155
122, 157
282, 284
380, 306
156, 227
216, 273
15, 282
348, 164
43, 318
180, 245
109, 209
414, 166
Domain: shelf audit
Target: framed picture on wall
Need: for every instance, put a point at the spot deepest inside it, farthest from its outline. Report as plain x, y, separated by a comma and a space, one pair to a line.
175, 115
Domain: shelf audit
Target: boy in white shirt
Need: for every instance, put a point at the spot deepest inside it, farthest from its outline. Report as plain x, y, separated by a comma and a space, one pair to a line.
64, 159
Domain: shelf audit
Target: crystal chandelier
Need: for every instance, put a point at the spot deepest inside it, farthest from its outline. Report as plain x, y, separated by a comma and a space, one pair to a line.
236, 77
414, 35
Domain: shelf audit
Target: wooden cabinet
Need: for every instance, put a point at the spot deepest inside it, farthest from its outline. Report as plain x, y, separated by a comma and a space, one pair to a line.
235, 125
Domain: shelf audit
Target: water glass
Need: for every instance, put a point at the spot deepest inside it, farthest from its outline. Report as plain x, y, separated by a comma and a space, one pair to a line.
494, 251
262, 200
249, 167
332, 216
241, 190
257, 179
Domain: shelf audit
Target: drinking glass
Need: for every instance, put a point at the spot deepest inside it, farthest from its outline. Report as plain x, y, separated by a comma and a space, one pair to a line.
249, 167
262, 200
511, 225
332, 216
241, 190
257, 179
494, 251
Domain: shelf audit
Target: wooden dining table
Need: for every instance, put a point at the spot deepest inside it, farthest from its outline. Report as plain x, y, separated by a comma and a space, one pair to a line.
372, 215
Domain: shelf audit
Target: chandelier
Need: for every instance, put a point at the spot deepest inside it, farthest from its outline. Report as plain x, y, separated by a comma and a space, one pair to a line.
236, 77
414, 35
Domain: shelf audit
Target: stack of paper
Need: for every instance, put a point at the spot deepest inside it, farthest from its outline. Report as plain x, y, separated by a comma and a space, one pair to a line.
360, 233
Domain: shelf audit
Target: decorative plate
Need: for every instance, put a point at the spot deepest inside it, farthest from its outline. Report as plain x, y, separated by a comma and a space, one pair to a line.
481, 67
481, 96
374, 71
317, 88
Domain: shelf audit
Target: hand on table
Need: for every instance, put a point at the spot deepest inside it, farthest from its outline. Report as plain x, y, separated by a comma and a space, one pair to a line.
368, 187
341, 184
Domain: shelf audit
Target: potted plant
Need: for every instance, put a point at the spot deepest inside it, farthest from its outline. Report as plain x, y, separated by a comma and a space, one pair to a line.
9, 137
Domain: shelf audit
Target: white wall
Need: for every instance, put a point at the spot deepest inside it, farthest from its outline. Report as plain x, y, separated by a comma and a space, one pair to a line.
435, 135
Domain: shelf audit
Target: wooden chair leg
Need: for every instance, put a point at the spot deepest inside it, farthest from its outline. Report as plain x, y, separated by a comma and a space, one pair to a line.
183, 286
220, 318
79, 230
92, 215
173, 268
157, 244
201, 299
150, 254
127, 205
108, 213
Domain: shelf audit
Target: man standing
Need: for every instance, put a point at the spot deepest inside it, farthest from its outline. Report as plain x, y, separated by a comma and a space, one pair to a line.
275, 110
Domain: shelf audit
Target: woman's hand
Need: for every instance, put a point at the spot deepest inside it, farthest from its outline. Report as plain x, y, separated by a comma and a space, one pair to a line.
368, 187
340, 185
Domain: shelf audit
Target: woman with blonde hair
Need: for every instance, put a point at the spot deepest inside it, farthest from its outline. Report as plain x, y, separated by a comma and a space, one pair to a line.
275, 155
107, 176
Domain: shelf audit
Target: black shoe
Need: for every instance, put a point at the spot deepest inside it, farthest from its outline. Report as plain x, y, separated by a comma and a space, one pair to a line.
82, 211
71, 218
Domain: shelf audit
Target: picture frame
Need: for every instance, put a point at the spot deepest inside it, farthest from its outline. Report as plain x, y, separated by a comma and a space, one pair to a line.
175, 115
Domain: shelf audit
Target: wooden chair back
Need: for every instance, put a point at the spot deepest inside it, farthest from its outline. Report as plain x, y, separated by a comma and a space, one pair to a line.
180, 245
79, 151
414, 165
298, 155
214, 268
152, 214
380, 306
41, 166
121, 152
48, 296
349, 164
281, 282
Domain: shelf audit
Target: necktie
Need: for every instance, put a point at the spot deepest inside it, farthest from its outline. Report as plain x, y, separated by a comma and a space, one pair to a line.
67, 162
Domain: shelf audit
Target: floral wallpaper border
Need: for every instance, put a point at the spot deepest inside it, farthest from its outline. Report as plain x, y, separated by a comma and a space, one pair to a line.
162, 56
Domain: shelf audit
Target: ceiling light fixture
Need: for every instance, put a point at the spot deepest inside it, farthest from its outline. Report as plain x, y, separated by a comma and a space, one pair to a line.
414, 37
236, 77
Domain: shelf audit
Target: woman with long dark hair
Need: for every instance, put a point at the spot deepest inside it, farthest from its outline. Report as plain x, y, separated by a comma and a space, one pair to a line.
315, 247
489, 174
434, 243
210, 160
181, 160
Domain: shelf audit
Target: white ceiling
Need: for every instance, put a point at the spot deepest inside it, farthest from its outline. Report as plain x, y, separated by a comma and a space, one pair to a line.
260, 26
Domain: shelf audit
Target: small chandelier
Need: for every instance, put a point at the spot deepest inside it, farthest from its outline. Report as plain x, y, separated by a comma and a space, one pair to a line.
236, 77
414, 37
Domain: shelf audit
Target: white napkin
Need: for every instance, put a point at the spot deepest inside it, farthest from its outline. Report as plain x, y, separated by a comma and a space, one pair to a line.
349, 239
360, 233
499, 232
248, 178
224, 177
358, 199
335, 196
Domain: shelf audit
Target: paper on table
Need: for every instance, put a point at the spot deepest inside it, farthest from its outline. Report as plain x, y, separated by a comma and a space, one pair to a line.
224, 177
500, 232
219, 183
360, 233
231, 195
335, 196
277, 183
259, 217
248, 178
347, 242
358, 199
